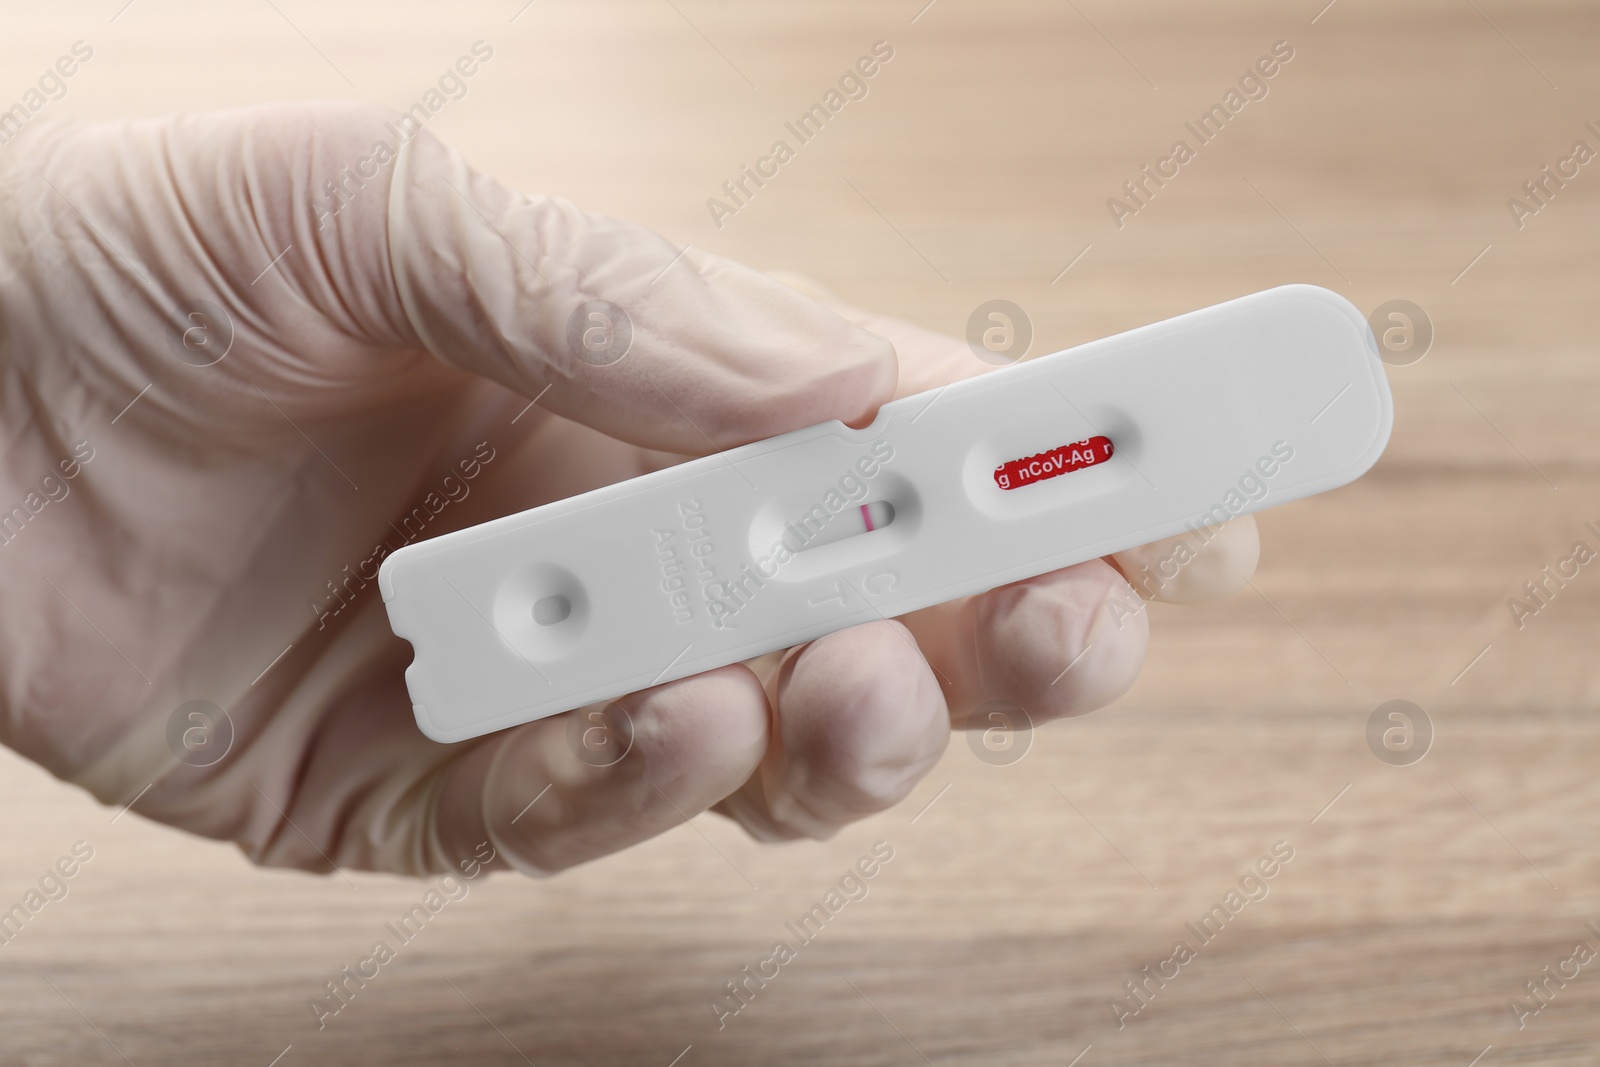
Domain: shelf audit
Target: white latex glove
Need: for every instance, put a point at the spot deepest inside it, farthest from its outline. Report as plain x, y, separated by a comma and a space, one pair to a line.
174, 527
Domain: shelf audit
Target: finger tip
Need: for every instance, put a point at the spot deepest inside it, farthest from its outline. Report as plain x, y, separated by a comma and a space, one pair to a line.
1224, 564
1064, 643
718, 719
863, 711
871, 379
1202, 566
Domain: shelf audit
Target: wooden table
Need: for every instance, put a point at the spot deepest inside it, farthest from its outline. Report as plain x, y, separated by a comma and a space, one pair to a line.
1419, 899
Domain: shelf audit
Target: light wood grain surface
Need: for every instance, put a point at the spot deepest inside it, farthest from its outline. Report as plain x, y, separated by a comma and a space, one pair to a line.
1022, 897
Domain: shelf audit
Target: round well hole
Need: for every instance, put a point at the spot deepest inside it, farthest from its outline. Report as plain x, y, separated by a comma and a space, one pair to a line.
547, 611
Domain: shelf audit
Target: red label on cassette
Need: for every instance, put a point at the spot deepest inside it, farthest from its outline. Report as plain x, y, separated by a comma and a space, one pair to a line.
1054, 463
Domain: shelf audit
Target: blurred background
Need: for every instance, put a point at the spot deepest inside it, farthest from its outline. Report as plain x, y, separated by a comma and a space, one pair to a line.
1432, 877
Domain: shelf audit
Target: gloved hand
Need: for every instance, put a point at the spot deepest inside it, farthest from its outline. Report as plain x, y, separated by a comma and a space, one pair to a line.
243, 350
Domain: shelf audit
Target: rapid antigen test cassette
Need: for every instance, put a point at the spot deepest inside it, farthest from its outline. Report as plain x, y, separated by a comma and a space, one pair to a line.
1167, 428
